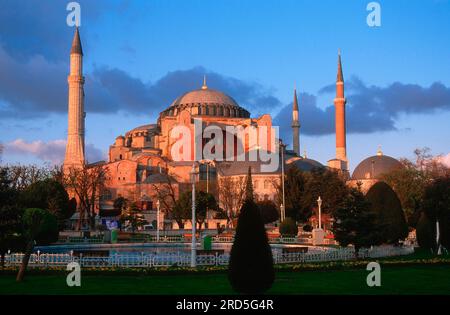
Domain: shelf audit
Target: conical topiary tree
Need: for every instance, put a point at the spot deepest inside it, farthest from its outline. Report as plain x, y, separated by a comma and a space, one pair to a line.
390, 216
250, 269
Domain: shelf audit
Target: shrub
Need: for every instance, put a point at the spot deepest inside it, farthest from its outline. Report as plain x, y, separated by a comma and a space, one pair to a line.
288, 227
50, 195
268, 210
48, 232
426, 233
436, 205
389, 213
251, 264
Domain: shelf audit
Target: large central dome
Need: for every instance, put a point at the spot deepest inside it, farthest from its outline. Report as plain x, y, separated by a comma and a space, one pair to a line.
206, 102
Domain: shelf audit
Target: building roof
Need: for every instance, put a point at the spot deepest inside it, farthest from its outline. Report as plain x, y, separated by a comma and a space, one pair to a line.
340, 75
374, 166
304, 164
76, 44
211, 100
295, 104
241, 168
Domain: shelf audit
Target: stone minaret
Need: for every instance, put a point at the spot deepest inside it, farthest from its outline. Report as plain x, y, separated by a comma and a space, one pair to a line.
339, 103
295, 126
75, 132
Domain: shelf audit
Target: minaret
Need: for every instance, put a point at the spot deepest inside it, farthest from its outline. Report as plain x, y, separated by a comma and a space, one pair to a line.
339, 103
75, 131
295, 126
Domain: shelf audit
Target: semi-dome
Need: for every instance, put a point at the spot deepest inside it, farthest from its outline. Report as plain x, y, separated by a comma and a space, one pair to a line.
374, 166
206, 102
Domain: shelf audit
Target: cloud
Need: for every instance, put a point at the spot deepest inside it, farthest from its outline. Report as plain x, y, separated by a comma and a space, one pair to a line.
51, 151
444, 159
38, 87
369, 108
36, 27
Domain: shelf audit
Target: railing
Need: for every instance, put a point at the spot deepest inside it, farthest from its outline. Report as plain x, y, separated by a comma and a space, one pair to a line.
145, 238
178, 259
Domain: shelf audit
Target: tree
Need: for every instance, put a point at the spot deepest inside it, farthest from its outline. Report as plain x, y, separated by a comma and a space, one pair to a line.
203, 202
165, 190
250, 270
426, 233
22, 176
326, 183
86, 183
410, 181
10, 216
120, 204
355, 223
231, 195
294, 186
288, 228
436, 205
182, 208
133, 216
268, 210
390, 216
303, 188
38, 224
51, 195
10, 231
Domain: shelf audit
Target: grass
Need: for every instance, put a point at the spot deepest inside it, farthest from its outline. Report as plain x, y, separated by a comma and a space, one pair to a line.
425, 279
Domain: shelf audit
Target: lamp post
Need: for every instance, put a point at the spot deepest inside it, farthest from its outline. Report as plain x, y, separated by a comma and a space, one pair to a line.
439, 252
319, 203
158, 205
282, 207
194, 242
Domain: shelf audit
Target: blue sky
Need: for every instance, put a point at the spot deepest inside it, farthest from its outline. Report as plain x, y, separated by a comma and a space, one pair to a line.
140, 55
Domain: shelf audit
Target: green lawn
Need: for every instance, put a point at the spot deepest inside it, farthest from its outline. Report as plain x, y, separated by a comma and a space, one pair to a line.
429, 279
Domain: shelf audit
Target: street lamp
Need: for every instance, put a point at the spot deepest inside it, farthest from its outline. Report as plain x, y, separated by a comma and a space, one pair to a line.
319, 203
193, 174
282, 207
158, 205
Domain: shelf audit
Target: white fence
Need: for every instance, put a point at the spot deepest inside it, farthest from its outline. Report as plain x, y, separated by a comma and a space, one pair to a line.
177, 259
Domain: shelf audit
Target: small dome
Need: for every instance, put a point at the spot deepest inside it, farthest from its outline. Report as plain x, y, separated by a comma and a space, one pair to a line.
207, 102
304, 164
373, 167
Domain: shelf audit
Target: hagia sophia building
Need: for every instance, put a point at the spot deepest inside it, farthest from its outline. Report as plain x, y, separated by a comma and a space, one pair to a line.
142, 157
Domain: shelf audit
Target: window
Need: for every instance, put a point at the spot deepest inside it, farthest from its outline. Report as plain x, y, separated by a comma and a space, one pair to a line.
106, 195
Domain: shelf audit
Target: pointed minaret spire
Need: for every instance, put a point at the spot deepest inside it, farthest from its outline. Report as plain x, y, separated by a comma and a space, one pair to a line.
76, 43
204, 86
340, 76
339, 104
75, 154
295, 125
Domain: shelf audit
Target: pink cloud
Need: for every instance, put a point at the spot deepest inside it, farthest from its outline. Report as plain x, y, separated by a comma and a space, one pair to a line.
445, 159
52, 151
